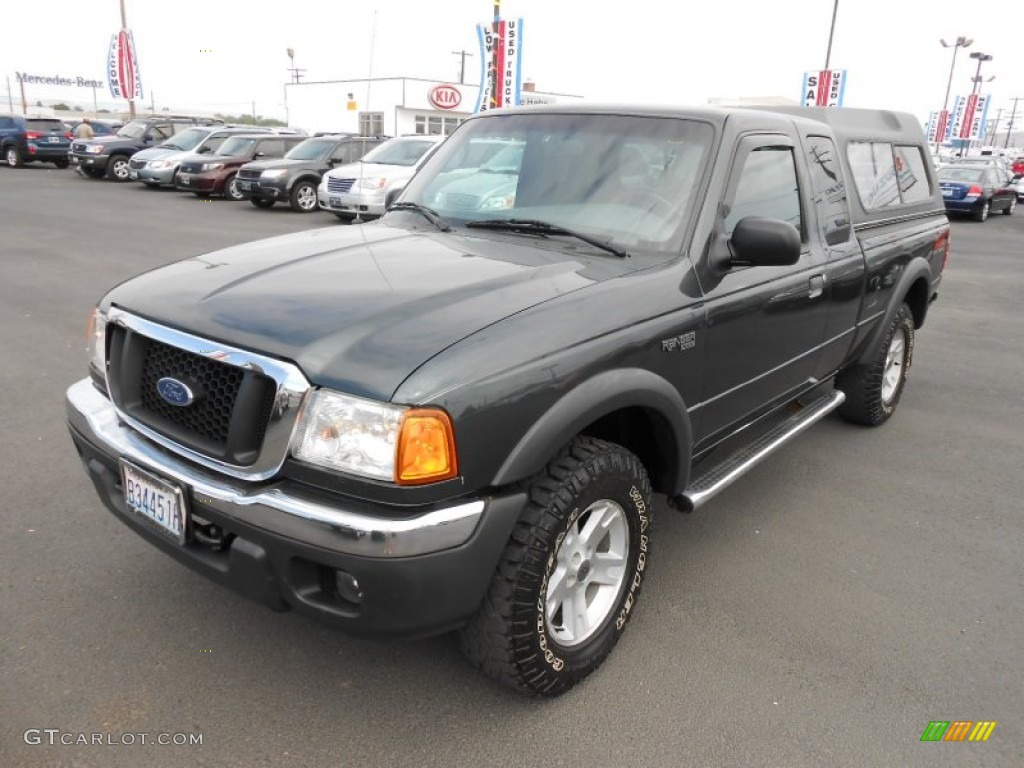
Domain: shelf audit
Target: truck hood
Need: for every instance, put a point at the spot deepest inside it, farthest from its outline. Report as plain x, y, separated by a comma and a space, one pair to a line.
359, 308
161, 153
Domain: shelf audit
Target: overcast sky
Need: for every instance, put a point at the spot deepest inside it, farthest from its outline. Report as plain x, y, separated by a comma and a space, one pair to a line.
223, 54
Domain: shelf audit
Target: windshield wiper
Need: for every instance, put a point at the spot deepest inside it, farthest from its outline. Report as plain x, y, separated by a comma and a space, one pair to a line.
539, 227
427, 213
172, 146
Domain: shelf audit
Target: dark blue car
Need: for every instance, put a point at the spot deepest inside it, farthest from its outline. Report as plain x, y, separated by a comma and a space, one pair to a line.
34, 139
976, 190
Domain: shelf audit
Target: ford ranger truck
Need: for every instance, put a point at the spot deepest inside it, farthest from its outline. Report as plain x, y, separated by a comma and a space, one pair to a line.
456, 417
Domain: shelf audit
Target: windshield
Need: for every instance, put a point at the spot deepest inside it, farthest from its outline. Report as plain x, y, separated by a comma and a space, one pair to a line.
310, 149
399, 152
236, 145
631, 181
133, 130
188, 139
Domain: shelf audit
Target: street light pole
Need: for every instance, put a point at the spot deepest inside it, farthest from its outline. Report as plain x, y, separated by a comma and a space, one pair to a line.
831, 32
961, 42
976, 88
1013, 117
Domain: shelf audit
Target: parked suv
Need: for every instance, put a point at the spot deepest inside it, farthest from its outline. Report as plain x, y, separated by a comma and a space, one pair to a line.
294, 178
33, 139
156, 167
110, 154
364, 189
214, 173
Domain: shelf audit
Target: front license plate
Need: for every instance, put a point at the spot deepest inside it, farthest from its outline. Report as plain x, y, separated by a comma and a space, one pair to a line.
334, 202
184, 179
158, 502
244, 185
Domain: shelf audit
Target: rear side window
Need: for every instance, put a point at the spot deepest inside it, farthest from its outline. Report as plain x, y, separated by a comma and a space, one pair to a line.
829, 188
911, 175
6, 122
271, 148
888, 175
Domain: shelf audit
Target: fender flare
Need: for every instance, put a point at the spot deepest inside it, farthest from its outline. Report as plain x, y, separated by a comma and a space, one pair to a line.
304, 176
598, 396
916, 269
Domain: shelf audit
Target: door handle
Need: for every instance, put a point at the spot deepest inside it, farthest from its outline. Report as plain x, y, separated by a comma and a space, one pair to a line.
816, 286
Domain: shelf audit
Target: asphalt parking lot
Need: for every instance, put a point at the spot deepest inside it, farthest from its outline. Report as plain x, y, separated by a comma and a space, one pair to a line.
822, 611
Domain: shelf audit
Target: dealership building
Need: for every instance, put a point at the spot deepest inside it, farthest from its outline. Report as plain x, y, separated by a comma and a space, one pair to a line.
392, 106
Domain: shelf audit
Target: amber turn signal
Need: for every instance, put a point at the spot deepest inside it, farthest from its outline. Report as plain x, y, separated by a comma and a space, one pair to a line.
426, 447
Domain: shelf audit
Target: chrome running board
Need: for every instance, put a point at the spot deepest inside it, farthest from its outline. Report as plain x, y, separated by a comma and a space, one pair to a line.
720, 476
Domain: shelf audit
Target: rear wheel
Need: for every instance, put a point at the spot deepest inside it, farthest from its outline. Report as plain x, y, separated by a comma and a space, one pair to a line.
873, 389
982, 213
303, 197
261, 202
117, 168
1008, 210
569, 577
12, 157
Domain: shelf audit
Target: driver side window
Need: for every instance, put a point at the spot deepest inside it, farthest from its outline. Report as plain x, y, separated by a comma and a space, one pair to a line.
767, 186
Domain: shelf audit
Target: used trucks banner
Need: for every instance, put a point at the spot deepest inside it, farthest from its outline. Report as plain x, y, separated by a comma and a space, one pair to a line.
500, 55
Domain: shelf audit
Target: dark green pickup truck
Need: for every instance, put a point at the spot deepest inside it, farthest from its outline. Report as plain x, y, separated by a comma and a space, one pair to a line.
456, 417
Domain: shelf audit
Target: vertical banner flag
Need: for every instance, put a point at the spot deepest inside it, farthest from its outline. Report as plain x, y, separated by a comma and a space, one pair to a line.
123, 67
938, 126
969, 114
824, 88
507, 44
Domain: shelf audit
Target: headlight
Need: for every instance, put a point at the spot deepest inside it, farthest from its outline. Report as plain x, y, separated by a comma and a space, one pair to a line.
160, 164
212, 166
274, 174
96, 342
408, 446
94, 149
370, 183
498, 203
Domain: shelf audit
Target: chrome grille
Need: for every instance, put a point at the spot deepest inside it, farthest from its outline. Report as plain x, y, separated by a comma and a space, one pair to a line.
339, 185
249, 174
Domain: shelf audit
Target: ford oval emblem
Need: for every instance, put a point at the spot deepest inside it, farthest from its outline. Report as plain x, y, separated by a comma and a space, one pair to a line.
174, 392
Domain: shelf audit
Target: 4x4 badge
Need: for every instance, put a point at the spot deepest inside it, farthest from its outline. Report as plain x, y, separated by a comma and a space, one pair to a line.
680, 342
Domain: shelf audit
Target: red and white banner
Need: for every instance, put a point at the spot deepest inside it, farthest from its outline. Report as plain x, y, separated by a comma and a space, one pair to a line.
500, 56
969, 116
824, 88
123, 67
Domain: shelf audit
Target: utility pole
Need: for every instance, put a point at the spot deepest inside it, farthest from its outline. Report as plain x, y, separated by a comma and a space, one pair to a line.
462, 65
254, 111
24, 104
1013, 117
131, 97
995, 126
10, 98
832, 31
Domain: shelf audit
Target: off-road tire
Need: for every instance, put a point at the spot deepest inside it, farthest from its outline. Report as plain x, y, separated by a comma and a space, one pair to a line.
510, 638
302, 193
865, 384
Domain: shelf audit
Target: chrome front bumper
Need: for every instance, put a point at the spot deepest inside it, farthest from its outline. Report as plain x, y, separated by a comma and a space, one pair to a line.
269, 506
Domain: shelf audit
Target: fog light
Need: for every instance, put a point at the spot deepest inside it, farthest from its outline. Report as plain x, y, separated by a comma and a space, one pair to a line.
348, 588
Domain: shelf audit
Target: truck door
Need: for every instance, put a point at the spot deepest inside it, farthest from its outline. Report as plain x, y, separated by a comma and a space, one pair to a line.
765, 324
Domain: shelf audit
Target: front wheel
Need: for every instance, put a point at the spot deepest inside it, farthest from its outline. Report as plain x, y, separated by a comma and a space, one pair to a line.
231, 190
303, 197
568, 580
873, 389
117, 168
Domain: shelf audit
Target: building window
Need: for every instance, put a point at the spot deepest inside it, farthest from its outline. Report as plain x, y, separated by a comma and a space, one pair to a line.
436, 125
371, 123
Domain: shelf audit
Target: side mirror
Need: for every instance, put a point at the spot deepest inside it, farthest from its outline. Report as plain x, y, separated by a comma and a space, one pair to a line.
260, 154
393, 194
763, 242
203, 151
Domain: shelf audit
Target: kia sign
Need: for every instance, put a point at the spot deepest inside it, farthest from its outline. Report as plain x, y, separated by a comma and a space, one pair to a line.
445, 96
123, 67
